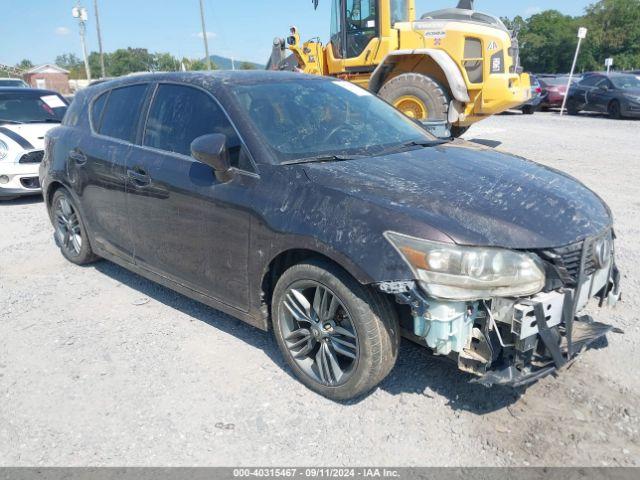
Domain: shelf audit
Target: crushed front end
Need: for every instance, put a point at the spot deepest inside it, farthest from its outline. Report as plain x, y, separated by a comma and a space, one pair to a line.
516, 340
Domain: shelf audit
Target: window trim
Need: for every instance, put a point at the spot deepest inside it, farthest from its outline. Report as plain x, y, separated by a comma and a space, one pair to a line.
151, 98
109, 91
106, 94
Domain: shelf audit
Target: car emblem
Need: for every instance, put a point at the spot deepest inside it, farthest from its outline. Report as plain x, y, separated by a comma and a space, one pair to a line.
492, 46
602, 250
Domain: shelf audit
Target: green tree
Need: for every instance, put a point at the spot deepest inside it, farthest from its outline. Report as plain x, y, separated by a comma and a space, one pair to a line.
25, 64
197, 64
548, 42
165, 62
614, 31
247, 66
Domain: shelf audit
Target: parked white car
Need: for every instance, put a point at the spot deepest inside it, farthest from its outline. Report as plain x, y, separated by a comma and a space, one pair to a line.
13, 82
25, 116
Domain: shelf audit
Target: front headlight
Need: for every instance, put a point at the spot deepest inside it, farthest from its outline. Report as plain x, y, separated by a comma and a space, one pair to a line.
3, 150
469, 273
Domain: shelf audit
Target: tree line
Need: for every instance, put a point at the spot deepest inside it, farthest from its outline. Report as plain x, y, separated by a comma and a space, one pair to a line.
548, 39
127, 60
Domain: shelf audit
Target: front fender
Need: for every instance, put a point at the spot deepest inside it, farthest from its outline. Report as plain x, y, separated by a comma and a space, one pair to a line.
453, 74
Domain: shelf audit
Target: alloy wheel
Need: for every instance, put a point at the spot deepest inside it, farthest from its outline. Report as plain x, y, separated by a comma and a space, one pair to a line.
318, 333
68, 231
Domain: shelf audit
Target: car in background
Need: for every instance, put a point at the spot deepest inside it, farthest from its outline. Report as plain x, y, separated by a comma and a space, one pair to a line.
308, 206
26, 115
13, 82
616, 94
537, 97
555, 89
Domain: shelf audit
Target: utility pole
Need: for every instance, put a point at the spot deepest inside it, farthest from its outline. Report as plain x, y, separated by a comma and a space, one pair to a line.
204, 36
80, 13
582, 34
95, 7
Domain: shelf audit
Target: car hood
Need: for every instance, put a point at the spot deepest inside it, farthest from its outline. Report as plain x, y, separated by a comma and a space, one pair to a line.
635, 92
27, 136
476, 196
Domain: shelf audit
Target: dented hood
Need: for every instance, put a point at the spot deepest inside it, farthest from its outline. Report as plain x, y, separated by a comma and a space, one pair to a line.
476, 196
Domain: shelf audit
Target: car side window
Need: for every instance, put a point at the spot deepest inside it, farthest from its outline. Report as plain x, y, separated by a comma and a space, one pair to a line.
590, 81
179, 114
122, 111
96, 110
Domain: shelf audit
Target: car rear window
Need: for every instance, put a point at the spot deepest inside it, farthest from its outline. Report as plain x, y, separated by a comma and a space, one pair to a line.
122, 111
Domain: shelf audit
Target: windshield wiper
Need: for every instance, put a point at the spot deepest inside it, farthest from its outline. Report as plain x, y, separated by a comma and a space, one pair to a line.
14, 122
413, 143
45, 120
321, 158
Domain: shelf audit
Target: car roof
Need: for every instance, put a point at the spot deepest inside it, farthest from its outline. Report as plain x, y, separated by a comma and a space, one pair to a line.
214, 78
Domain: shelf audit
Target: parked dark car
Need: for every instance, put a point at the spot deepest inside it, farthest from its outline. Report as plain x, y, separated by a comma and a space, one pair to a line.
537, 97
617, 94
308, 206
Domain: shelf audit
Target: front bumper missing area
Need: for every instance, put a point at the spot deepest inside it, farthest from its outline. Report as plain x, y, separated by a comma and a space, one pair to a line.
510, 341
585, 332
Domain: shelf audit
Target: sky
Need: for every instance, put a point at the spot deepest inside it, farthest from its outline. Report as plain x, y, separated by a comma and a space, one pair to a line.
40, 30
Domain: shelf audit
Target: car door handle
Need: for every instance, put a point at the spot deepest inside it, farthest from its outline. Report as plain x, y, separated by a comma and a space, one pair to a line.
139, 177
78, 157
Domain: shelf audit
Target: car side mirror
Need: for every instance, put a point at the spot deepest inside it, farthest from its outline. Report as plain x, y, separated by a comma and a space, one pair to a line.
211, 149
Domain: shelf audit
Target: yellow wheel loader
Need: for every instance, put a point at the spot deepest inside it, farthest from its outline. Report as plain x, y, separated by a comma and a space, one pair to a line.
455, 66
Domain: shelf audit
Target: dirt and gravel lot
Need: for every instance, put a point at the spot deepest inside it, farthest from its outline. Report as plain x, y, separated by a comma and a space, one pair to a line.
101, 367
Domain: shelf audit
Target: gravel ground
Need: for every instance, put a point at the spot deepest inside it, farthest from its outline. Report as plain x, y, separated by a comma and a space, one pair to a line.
101, 367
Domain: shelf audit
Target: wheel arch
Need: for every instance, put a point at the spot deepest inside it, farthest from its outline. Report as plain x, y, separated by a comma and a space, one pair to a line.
292, 256
434, 63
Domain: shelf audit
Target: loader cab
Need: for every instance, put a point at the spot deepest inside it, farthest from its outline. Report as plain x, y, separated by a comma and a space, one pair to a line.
357, 27
354, 24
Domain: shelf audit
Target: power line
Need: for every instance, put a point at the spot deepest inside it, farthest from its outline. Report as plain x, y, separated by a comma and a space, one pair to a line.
204, 36
95, 7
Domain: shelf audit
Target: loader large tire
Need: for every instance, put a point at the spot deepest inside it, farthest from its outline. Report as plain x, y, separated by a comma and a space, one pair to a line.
417, 96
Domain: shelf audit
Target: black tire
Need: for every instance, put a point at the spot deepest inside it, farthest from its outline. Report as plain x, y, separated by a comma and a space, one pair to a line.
614, 110
82, 255
371, 315
430, 92
572, 107
528, 110
458, 131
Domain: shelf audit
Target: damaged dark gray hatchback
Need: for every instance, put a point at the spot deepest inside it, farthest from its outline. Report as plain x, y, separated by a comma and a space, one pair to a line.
308, 206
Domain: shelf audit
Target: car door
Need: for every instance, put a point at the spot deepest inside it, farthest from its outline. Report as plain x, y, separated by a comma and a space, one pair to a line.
97, 166
601, 95
186, 223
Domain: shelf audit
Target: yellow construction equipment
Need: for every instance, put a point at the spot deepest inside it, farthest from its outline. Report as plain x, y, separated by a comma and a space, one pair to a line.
455, 65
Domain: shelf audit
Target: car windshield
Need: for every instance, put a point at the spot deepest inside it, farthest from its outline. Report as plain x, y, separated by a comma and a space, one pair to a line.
557, 81
626, 81
7, 82
31, 108
306, 119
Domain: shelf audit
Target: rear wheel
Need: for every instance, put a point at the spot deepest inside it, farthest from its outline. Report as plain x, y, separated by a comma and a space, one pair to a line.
572, 107
70, 231
417, 96
339, 338
614, 110
528, 110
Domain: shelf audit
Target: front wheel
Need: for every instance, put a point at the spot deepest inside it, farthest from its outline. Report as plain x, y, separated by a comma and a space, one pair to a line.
417, 96
339, 338
614, 110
